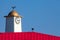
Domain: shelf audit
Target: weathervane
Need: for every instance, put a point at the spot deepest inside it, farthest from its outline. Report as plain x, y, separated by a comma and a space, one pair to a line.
13, 7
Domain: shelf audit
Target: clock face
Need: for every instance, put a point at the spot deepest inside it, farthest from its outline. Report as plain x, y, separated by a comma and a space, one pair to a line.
17, 20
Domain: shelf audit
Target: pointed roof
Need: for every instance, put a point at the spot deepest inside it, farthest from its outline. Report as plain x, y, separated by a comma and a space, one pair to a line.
13, 13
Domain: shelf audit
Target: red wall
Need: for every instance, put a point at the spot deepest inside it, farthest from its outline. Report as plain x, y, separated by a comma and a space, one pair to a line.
27, 36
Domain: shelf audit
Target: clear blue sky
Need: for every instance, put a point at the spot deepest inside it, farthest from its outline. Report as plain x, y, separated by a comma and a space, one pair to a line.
43, 15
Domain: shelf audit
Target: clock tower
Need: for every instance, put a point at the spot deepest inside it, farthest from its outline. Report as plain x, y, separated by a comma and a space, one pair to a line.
13, 22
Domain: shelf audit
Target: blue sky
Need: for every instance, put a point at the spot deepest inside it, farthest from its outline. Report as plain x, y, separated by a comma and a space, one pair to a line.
42, 15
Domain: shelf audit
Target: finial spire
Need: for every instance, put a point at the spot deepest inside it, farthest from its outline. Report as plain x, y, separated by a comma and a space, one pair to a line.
13, 7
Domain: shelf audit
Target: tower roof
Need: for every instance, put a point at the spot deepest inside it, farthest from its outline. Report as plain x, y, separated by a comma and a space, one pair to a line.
13, 13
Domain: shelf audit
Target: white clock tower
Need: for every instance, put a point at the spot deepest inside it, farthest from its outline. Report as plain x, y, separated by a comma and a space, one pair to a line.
13, 22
